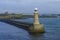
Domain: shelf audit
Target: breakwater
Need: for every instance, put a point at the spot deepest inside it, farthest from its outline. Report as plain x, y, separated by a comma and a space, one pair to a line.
23, 25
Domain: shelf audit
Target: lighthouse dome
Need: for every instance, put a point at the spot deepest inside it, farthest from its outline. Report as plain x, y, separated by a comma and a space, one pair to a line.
36, 9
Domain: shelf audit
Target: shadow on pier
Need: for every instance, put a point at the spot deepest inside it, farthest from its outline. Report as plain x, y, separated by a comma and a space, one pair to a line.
23, 25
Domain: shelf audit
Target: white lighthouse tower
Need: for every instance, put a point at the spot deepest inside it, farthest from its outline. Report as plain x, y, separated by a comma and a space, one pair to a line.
36, 19
38, 27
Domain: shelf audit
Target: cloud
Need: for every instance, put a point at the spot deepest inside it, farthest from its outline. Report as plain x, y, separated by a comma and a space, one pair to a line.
25, 1
27, 6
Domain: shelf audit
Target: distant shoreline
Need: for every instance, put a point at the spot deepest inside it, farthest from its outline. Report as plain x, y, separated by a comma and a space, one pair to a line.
21, 16
7, 17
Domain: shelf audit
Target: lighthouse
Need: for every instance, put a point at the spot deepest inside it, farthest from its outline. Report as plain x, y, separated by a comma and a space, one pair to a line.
37, 26
36, 19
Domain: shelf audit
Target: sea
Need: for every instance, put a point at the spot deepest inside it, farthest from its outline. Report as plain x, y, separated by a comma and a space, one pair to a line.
51, 27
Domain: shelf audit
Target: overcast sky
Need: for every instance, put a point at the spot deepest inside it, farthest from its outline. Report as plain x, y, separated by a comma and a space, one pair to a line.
27, 6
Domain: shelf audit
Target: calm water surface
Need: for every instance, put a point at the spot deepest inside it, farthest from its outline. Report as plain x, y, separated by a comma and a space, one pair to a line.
9, 32
51, 25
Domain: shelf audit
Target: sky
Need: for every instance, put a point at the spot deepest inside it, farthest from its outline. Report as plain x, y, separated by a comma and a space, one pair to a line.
27, 6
